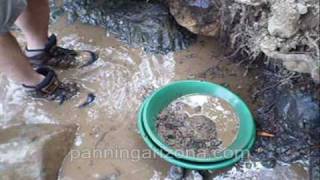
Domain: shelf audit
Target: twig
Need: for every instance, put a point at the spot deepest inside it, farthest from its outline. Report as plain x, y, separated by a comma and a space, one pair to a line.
316, 146
265, 134
101, 139
266, 89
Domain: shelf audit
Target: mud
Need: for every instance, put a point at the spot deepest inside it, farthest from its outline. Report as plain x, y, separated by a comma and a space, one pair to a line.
285, 31
195, 136
198, 125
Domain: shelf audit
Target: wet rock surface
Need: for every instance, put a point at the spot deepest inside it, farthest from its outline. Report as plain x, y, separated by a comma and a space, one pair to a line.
198, 16
175, 173
137, 23
285, 105
314, 161
299, 110
56, 11
32, 152
193, 175
178, 173
289, 110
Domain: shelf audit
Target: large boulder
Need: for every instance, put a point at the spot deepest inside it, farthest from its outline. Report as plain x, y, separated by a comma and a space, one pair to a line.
34, 152
198, 16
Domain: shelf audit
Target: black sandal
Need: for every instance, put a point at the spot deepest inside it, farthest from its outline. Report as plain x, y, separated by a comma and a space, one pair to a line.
58, 57
51, 88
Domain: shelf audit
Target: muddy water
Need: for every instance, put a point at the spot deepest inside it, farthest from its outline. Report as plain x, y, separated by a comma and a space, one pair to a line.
120, 80
220, 112
199, 125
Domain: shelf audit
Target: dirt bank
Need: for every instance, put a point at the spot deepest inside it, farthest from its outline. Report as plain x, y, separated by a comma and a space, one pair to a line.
285, 31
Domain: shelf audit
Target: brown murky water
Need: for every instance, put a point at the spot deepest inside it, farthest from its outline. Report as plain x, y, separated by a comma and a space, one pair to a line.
120, 80
198, 125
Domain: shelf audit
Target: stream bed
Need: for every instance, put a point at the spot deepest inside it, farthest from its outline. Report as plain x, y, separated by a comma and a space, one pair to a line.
120, 80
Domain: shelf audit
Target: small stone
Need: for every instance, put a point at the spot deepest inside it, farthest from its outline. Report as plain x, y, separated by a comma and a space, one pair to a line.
284, 20
302, 8
175, 173
270, 163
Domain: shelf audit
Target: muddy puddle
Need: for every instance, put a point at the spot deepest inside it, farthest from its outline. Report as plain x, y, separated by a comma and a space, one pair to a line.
121, 79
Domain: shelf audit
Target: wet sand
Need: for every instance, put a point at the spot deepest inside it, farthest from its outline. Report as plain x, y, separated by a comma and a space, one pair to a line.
120, 79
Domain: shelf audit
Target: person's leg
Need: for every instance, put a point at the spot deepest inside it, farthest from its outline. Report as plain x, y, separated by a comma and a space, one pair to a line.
42, 50
14, 64
41, 82
34, 22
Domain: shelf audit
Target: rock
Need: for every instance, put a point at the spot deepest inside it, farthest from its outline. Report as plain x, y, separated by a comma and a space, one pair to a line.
269, 163
193, 175
302, 9
252, 2
298, 66
55, 11
284, 22
314, 164
299, 62
269, 44
175, 173
290, 111
139, 24
314, 159
34, 152
300, 111
198, 16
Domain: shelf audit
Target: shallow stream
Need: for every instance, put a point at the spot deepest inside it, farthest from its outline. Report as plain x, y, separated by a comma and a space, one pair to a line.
121, 79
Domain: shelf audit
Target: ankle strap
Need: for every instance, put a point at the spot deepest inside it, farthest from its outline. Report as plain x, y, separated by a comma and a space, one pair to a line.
48, 85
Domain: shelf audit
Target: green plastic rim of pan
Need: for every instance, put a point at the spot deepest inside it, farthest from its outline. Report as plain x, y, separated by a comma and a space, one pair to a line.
164, 96
187, 164
182, 163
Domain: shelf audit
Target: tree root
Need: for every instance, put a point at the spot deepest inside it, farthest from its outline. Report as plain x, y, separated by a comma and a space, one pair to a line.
303, 63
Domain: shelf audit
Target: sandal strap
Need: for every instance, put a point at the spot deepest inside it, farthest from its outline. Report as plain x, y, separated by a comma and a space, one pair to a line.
56, 56
49, 85
53, 54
